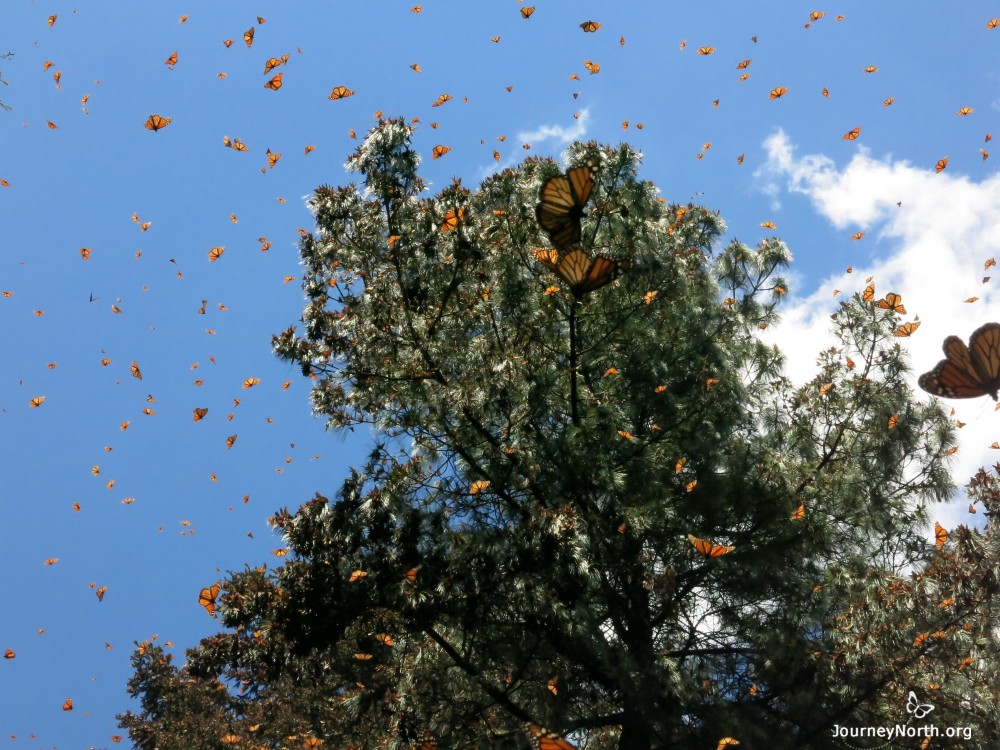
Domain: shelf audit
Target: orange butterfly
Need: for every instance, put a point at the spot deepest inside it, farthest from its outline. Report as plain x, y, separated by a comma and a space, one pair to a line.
440, 151
892, 301
577, 269
207, 597
941, 164
852, 134
967, 371
341, 92
706, 50
526, 12
708, 548
248, 36
590, 26
561, 208
940, 535
777, 92
275, 83
452, 219
172, 60
155, 122
545, 739
593, 67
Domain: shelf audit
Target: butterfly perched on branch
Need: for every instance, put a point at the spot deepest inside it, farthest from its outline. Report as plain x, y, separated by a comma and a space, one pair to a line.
563, 198
581, 272
967, 371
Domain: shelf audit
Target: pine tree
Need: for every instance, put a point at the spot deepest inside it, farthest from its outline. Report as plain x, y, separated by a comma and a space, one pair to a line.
604, 514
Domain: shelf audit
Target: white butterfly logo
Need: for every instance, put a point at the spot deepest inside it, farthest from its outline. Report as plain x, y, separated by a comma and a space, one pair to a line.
915, 707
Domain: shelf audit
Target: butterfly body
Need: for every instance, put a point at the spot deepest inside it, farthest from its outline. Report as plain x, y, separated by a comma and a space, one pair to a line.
967, 371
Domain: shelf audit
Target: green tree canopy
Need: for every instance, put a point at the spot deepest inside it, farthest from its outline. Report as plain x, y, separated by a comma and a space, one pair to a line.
609, 516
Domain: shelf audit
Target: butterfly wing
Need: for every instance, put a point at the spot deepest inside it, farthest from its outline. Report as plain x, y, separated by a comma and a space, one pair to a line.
963, 374
544, 739
555, 212
563, 198
984, 351
602, 272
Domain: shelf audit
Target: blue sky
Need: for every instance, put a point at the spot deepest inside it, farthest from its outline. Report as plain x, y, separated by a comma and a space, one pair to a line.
78, 185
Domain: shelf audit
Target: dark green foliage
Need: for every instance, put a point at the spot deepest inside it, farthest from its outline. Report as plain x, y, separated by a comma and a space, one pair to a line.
517, 548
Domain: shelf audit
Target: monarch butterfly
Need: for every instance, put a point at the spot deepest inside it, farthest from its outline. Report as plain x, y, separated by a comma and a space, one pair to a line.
36, 402
136, 372
908, 329
577, 269
155, 122
215, 253
545, 739
593, 67
68, 705
870, 69
941, 164
777, 92
440, 151
561, 208
965, 111
707, 548
341, 92
526, 12
940, 535
275, 83
452, 219
967, 371
207, 596
706, 50
852, 134
171, 61
250, 382
590, 26
248, 36
743, 65
199, 413
892, 301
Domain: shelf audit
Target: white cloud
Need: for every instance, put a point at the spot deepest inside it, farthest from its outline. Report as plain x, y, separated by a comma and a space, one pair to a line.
561, 134
936, 244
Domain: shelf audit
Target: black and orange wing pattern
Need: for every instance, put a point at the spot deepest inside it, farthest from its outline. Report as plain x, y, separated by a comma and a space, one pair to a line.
967, 371
581, 272
545, 739
563, 198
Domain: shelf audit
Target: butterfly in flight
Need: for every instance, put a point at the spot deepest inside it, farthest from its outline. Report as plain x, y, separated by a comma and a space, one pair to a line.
708, 548
563, 198
967, 371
